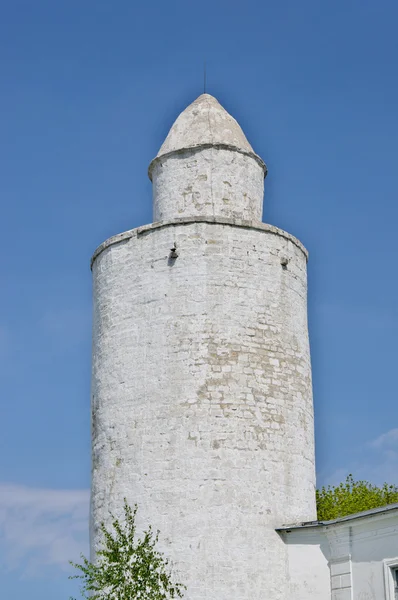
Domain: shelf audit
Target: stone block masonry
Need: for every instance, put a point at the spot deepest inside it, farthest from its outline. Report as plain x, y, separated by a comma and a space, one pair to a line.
201, 382
201, 398
212, 181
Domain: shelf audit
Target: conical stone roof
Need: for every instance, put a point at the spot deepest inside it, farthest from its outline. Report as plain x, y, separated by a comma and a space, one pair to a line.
202, 124
205, 122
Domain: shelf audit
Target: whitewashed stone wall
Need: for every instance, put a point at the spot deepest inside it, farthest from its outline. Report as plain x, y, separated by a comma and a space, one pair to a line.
208, 181
201, 398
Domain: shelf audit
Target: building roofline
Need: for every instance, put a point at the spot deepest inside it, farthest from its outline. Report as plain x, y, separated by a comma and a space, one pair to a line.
199, 147
255, 225
360, 515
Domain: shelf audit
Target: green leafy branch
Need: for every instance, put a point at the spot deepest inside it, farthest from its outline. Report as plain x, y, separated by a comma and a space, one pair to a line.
127, 568
352, 496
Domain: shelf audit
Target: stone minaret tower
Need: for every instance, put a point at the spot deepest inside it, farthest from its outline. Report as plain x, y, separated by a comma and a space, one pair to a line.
201, 389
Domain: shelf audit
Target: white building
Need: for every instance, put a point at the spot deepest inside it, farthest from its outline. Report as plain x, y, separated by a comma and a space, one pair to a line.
352, 558
201, 390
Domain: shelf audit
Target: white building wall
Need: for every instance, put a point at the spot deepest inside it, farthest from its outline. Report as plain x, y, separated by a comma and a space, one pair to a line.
308, 567
375, 543
359, 551
201, 398
210, 181
348, 560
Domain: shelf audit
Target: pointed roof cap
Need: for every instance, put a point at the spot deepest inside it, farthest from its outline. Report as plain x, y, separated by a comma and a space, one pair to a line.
205, 122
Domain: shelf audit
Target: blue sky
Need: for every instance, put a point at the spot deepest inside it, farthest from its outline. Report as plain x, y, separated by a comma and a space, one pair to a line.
89, 91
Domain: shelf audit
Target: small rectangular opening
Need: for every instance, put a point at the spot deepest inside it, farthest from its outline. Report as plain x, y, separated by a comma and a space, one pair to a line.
391, 578
395, 579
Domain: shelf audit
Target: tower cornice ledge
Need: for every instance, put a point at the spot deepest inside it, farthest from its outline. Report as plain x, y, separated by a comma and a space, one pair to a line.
138, 231
199, 147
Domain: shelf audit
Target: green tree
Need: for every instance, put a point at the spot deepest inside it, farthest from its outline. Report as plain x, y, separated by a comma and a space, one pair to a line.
352, 496
127, 568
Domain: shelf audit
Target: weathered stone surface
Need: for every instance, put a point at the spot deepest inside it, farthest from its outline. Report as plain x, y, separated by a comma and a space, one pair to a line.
203, 122
245, 224
206, 167
213, 182
202, 406
201, 387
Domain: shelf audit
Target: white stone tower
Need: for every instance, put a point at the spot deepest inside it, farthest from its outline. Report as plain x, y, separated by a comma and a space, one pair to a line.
201, 390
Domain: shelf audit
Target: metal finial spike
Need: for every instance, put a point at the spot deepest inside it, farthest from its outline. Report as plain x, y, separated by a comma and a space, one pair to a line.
204, 77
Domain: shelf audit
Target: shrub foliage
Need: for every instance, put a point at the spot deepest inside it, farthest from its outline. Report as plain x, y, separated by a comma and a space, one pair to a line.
351, 497
127, 568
